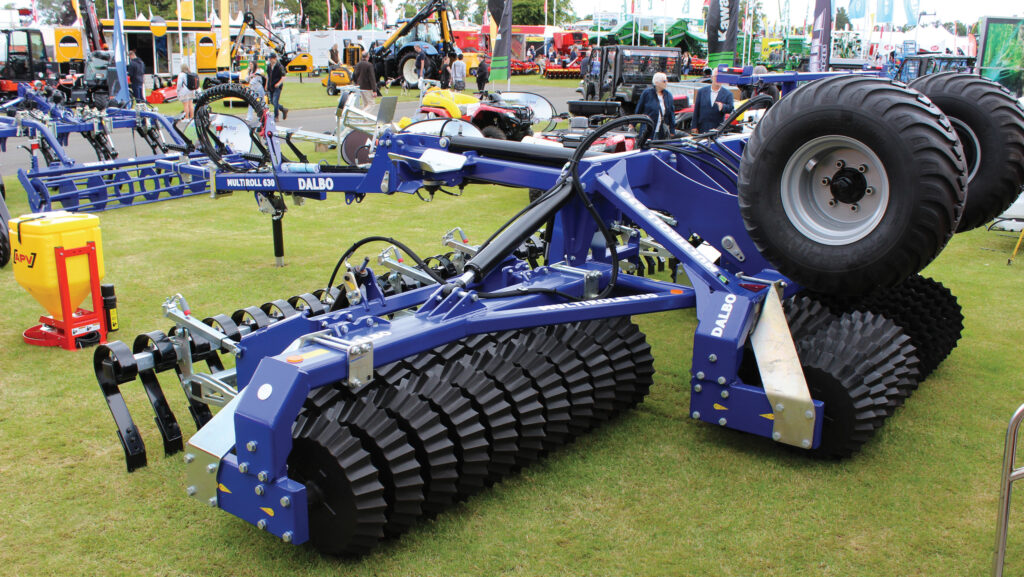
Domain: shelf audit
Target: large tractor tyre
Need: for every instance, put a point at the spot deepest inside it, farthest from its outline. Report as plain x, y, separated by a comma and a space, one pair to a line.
407, 69
990, 124
493, 131
852, 183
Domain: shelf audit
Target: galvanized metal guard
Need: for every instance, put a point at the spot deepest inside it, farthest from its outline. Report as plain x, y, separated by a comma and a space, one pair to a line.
1008, 476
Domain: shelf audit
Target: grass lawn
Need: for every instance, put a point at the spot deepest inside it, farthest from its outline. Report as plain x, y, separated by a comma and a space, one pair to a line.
652, 493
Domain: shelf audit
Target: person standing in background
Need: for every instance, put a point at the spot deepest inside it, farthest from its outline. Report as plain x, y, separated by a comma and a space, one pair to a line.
333, 60
459, 74
185, 95
446, 72
711, 105
365, 77
483, 74
256, 85
275, 85
137, 75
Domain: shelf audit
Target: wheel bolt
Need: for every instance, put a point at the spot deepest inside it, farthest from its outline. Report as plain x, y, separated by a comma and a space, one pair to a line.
869, 191
831, 202
826, 181
854, 207
840, 164
862, 168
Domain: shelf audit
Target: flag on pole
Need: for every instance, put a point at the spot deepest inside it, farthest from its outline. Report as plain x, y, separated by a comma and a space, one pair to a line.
186, 10
821, 37
721, 27
501, 12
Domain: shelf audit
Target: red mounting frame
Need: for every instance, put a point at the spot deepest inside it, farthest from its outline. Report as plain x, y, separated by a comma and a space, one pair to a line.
77, 322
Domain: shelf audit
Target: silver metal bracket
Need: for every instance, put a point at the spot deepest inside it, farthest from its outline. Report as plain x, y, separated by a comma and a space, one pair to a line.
457, 240
176, 309
730, 246
432, 160
591, 279
205, 451
782, 375
358, 351
391, 258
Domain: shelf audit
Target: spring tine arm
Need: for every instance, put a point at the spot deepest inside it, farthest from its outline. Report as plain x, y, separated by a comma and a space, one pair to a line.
164, 358
115, 365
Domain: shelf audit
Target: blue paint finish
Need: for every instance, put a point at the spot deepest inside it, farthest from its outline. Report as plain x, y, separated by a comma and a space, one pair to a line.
237, 495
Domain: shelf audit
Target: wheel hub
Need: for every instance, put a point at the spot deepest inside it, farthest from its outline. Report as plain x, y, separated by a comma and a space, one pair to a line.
848, 185
835, 190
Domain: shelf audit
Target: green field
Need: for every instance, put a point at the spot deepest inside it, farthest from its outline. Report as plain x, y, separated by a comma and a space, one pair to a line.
652, 493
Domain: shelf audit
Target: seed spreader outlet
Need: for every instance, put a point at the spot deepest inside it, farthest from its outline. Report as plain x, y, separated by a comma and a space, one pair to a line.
354, 410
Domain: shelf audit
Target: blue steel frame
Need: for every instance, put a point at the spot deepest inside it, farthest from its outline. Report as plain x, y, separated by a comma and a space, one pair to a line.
623, 187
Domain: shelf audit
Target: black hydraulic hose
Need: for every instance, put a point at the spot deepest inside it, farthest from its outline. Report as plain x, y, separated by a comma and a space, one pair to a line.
352, 249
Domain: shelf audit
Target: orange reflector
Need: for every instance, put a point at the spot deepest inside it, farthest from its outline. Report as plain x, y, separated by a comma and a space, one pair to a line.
295, 359
676, 291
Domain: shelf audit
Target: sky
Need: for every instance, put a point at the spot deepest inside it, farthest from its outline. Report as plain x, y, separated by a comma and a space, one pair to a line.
946, 10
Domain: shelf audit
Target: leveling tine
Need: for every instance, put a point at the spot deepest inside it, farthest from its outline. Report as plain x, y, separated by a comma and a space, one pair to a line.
164, 357
115, 365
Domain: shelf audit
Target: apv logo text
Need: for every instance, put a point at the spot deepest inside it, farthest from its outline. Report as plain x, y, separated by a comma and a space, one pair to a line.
28, 259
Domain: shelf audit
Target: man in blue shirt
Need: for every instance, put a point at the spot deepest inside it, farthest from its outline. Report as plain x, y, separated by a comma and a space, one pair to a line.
712, 105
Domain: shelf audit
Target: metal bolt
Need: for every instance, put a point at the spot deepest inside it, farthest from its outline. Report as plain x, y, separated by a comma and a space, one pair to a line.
697, 388
809, 414
831, 202
285, 501
840, 164
189, 457
260, 490
323, 324
854, 207
806, 443
438, 299
251, 446
725, 394
211, 468
722, 380
243, 468
349, 317
862, 168
263, 476
212, 501
722, 421
869, 191
695, 414
779, 407
287, 537
712, 358
372, 323
826, 181
700, 375
262, 524
475, 297
776, 435
191, 490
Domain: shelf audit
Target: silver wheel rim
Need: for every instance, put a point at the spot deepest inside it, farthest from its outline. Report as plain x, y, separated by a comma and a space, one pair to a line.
808, 197
409, 71
971, 145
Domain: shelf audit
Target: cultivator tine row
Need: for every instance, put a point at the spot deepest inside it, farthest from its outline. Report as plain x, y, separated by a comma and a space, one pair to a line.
188, 343
438, 427
559, 72
114, 184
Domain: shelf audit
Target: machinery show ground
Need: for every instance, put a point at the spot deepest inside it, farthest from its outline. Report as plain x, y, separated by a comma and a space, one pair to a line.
631, 497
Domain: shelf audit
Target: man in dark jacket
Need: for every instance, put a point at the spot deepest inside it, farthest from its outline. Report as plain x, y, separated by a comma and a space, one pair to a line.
366, 78
136, 74
483, 74
275, 83
711, 105
656, 102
